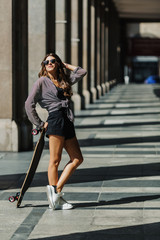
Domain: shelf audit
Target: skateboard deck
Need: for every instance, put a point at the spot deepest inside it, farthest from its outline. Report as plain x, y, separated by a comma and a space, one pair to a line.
31, 170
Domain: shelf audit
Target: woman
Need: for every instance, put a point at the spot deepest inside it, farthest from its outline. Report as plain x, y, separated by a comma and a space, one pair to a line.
53, 91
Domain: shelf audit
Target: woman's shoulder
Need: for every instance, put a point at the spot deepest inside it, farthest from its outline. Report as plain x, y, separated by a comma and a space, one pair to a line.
41, 80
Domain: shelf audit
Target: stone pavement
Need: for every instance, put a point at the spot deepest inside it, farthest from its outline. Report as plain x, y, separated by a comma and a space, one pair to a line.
115, 192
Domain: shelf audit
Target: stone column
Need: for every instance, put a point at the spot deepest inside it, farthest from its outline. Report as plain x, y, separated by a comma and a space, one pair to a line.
60, 29
86, 93
98, 61
92, 52
68, 17
89, 49
8, 127
106, 49
95, 50
102, 48
50, 23
80, 49
40, 39
74, 51
114, 39
20, 72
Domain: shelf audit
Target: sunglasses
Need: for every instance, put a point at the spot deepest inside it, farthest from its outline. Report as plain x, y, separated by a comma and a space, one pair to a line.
47, 61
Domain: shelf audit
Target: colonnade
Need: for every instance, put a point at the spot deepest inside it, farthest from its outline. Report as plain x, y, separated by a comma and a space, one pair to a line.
81, 32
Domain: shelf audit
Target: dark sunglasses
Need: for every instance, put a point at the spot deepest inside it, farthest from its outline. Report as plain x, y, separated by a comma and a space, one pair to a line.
47, 61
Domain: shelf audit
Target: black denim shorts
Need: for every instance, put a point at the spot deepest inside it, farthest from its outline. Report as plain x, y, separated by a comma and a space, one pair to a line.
59, 124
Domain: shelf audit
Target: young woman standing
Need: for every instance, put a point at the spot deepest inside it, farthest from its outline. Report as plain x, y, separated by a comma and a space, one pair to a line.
53, 92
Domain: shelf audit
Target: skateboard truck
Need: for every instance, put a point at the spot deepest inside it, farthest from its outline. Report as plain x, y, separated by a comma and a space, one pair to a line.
14, 198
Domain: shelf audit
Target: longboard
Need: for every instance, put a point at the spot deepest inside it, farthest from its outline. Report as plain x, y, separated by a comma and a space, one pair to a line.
31, 170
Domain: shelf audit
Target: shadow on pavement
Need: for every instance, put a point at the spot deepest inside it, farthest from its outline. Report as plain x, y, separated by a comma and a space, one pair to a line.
86, 175
108, 141
127, 124
138, 232
118, 201
117, 115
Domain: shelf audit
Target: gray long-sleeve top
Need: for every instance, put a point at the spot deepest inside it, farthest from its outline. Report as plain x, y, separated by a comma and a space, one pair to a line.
45, 93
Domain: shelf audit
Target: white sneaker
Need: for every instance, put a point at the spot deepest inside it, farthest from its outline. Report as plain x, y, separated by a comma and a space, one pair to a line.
63, 204
52, 197
56, 201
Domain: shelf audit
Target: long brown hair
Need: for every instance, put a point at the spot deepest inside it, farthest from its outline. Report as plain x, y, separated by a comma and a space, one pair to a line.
62, 75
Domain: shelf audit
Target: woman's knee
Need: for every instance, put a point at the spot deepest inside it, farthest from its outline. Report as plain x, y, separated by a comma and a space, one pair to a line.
54, 163
78, 161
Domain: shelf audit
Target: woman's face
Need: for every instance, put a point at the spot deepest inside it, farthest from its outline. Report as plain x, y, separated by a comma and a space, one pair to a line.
50, 64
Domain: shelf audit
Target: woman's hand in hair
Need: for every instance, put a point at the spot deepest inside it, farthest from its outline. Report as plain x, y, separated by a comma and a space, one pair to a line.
69, 66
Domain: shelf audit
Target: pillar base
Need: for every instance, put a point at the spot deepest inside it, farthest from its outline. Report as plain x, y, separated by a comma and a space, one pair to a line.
86, 95
76, 98
94, 94
9, 135
107, 86
99, 91
103, 89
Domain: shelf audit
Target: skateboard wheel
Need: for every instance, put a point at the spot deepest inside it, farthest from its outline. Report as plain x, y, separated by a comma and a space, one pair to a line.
11, 199
35, 132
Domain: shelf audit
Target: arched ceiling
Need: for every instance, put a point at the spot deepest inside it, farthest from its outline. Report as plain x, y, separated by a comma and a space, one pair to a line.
140, 9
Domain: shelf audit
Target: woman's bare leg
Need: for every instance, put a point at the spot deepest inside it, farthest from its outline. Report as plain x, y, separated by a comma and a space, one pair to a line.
56, 144
76, 158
